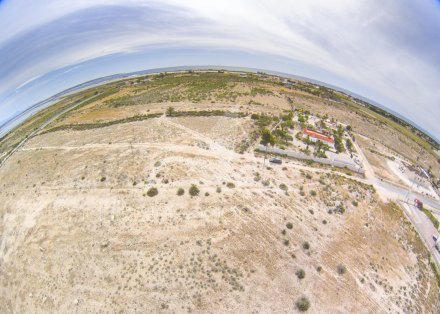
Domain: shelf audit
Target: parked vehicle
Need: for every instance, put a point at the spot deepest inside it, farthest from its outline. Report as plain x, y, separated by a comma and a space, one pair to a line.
418, 203
275, 160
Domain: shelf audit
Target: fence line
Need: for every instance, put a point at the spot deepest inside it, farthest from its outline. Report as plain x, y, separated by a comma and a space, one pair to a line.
299, 155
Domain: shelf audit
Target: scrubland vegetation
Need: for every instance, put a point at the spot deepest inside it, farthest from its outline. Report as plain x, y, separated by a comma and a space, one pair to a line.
151, 198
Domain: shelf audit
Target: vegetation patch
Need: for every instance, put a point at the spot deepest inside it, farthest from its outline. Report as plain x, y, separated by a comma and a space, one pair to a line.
341, 269
152, 192
303, 304
432, 218
194, 190
301, 274
230, 185
88, 126
207, 113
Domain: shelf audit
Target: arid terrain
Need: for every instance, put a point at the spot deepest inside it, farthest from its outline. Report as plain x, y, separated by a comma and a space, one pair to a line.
150, 197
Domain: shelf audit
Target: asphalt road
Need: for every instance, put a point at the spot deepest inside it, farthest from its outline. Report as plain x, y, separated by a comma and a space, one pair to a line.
402, 193
424, 227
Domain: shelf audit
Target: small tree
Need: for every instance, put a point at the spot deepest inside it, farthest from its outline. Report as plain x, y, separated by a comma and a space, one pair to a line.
303, 304
152, 192
341, 269
170, 111
301, 274
266, 139
194, 190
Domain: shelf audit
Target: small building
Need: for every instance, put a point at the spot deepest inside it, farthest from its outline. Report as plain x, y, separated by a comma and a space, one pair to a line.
316, 135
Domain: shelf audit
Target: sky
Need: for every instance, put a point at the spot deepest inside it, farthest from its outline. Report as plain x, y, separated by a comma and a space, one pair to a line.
387, 51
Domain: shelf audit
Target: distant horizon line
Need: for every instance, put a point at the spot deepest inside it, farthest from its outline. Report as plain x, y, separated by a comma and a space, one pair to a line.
13, 122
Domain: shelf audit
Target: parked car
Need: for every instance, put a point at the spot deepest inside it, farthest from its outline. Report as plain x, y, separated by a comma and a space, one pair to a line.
275, 160
418, 203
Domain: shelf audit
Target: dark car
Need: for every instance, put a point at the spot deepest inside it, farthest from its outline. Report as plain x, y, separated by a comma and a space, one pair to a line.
275, 160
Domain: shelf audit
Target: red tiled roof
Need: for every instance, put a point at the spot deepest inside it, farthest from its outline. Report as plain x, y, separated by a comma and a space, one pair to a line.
318, 135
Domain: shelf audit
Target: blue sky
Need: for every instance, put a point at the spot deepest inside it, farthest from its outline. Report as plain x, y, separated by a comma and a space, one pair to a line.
388, 51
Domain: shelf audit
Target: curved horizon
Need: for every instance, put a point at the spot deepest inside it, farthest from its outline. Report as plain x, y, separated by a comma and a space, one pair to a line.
385, 52
52, 99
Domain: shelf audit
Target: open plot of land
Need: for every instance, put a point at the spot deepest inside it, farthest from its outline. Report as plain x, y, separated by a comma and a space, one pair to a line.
169, 213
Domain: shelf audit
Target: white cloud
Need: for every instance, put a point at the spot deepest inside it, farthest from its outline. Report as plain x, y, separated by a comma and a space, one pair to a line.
370, 44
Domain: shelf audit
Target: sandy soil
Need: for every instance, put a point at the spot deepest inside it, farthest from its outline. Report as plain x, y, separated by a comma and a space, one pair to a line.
72, 241
80, 233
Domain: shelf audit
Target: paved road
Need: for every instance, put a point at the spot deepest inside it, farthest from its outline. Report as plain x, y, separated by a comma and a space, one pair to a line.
45, 124
424, 227
402, 193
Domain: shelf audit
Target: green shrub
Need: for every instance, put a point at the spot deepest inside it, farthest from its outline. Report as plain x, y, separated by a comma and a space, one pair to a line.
180, 191
255, 116
355, 203
341, 269
103, 179
289, 225
283, 187
303, 304
300, 274
170, 111
306, 245
152, 192
194, 190
432, 218
313, 193
340, 208
230, 185
219, 189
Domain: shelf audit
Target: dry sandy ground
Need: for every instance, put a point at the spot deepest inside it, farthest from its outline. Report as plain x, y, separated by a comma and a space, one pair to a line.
80, 234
